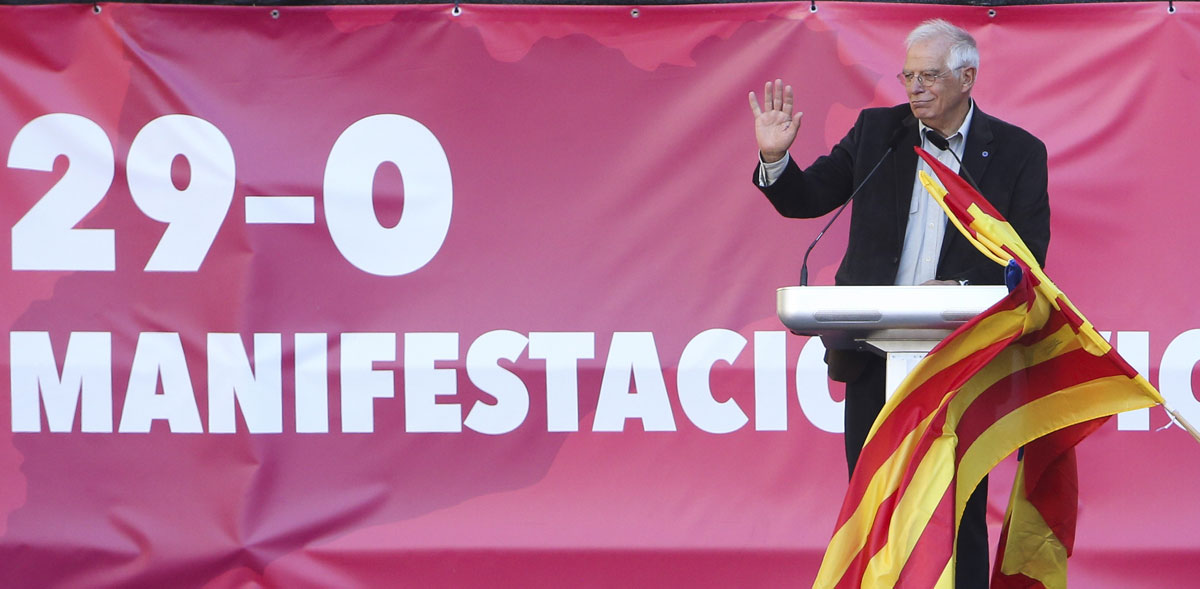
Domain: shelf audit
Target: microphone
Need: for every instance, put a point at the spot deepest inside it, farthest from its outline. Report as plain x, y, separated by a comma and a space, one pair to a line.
943, 144
891, 146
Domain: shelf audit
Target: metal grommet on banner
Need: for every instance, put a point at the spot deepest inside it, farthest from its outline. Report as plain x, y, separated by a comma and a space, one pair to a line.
991, 13
1170, 6
95, 9
457, 10
635, 13
812, 6
275, 14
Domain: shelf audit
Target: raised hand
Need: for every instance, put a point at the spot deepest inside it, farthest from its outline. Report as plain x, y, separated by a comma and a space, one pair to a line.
775, 126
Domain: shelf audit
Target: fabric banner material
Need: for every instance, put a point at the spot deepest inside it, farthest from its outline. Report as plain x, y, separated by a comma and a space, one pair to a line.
436, 295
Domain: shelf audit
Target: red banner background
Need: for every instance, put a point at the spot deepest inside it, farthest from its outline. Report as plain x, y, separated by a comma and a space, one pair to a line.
595, 240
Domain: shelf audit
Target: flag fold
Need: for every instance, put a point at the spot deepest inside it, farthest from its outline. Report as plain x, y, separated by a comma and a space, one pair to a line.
1029, 372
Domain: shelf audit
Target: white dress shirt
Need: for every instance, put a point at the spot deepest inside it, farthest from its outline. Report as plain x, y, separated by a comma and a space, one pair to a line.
926, 220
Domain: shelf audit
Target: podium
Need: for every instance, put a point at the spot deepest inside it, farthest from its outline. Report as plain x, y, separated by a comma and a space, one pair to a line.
900, 323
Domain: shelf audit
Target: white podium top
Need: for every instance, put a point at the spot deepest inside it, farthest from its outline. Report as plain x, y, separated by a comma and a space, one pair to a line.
850, 316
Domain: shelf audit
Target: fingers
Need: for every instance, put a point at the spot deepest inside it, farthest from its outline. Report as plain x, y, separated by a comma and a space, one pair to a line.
776, 96
754, 105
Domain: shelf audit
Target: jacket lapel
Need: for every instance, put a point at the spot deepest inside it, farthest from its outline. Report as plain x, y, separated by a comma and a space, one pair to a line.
905, 159
979, 141
975, 159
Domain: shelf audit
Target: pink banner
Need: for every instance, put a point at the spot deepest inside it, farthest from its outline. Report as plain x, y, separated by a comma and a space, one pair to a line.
418, 296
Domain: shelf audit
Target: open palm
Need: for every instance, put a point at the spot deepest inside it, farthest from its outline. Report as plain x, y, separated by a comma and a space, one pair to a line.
775, 125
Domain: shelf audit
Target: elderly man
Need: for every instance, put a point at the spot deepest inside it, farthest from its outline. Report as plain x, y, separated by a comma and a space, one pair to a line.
898, 234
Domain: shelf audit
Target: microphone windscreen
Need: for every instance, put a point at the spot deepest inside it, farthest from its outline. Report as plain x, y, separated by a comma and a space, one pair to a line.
937, 140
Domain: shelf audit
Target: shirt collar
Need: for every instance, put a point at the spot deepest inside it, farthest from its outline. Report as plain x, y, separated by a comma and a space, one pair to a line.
963, 129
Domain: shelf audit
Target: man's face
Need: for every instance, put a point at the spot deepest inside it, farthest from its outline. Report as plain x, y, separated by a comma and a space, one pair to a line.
943, 104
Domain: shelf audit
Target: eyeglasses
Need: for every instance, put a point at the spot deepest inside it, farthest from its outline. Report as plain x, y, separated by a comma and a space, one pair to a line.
925, 79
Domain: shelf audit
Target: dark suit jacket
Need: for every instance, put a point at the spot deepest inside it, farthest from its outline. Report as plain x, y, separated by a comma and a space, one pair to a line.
1008, 163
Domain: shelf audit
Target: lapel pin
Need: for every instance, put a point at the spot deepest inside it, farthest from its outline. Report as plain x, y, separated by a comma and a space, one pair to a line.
985, 154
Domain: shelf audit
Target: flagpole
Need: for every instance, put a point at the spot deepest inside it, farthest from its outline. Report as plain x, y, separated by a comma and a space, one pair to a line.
1177, 418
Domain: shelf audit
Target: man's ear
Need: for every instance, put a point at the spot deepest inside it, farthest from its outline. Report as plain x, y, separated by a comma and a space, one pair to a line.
968, 79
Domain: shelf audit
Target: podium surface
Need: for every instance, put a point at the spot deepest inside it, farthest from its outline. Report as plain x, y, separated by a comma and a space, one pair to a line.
846, 314
901, 323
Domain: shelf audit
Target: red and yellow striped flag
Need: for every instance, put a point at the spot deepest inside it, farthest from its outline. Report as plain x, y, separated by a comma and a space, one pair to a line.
1029, 368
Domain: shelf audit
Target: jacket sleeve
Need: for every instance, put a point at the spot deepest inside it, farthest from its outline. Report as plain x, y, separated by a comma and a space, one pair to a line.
1030, 212
820, 188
